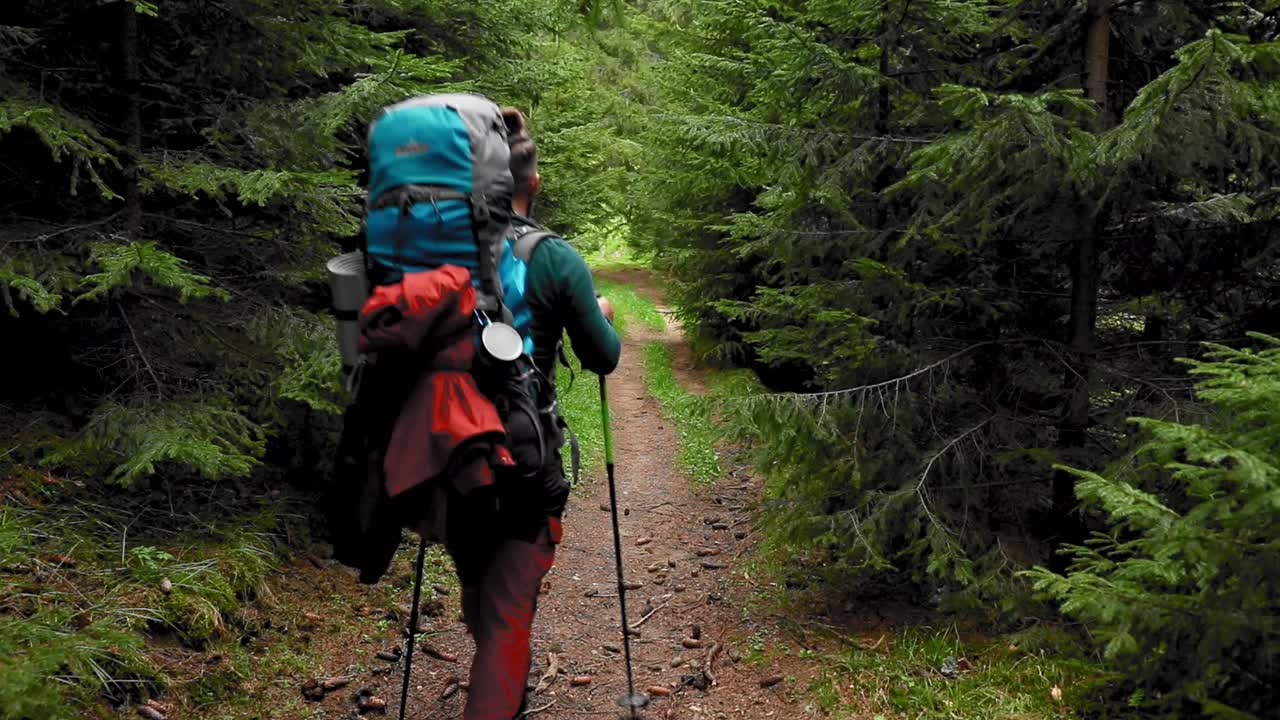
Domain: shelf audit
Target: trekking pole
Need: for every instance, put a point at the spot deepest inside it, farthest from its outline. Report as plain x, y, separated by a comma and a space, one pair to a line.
413, 628
631, 700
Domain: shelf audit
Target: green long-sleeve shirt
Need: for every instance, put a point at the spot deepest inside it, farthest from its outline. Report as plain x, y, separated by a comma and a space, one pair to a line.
562, 299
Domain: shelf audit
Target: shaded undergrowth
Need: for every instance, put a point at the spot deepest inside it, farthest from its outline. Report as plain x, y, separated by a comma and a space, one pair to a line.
91, 592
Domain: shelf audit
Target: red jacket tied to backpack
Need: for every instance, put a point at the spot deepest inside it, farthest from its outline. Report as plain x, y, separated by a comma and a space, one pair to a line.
445, 423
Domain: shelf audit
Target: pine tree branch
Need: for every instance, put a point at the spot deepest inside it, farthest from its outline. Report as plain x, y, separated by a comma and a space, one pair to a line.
779, 128
831, 394
141, 353
920, 488
60, 231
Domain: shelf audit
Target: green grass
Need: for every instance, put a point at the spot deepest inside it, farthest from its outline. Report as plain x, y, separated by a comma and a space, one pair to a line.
723, 384
84, 584
610, 247
58, 648
579, 396
629, 306
901, 675
89, 581
697, 456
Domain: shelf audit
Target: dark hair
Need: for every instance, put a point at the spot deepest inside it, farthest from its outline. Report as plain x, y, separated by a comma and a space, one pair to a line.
524, 153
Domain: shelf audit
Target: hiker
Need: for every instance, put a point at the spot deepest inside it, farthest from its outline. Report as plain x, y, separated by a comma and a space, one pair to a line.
453, 430
501, 581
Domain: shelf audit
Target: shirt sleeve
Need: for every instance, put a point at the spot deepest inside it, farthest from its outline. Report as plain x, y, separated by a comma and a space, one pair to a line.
558, 268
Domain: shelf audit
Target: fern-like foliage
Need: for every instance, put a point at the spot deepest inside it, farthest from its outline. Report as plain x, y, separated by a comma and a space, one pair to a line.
64, 134
35, 654
205, 435
882, 206
15, 281
323, 197
307, 353
135, 264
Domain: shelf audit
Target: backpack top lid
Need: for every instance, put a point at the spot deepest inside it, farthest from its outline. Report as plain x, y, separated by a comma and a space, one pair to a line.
452, 140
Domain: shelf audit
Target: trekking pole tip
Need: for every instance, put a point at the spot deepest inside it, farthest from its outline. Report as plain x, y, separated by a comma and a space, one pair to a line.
634, 701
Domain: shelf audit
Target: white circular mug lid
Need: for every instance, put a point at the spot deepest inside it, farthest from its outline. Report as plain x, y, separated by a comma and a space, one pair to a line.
502, 342
347, 264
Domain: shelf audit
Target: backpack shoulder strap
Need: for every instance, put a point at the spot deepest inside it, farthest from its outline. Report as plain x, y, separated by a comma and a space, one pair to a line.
526, 240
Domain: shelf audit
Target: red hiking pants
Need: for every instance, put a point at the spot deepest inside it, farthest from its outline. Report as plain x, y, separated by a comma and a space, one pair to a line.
499, 598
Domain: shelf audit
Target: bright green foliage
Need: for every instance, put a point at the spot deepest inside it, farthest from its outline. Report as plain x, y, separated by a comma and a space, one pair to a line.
945, 673
56, 643
308, 358
125, 266
22, 287
65, 135
99, 655
82, 579
630, 307
697, 456
880, 206
201, 283
578, 392
1183, 587
576, 92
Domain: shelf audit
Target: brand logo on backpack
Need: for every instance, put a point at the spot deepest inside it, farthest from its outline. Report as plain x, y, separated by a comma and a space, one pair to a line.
412, 148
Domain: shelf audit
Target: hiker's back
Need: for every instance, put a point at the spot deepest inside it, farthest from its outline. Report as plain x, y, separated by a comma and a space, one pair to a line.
561, 297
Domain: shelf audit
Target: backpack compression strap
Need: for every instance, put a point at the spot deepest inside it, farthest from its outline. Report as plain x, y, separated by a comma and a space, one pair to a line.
527, 238
487, 224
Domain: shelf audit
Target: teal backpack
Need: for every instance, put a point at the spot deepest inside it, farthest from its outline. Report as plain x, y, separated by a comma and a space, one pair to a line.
440, 194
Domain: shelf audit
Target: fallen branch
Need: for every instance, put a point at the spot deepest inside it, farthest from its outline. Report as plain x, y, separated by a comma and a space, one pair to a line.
648, 615
540, 709
548, 677
711, 659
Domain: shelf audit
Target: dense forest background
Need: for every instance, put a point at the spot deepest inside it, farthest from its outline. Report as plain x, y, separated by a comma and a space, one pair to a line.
962, 244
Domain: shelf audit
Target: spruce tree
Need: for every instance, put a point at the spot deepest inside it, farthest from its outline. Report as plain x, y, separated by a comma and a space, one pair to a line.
960, 256
177, 173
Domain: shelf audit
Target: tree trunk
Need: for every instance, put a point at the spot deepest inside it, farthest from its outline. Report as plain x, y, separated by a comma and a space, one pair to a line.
132, 122
882, 104
1073, 427
884, 107
1097, 52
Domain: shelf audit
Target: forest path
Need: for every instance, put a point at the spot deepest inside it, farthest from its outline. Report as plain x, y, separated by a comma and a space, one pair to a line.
680, 543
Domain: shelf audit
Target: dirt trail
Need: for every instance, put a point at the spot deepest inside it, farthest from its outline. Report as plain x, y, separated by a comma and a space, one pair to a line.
681, 544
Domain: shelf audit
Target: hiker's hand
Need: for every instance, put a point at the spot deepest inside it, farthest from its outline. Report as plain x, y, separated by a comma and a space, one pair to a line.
606, 307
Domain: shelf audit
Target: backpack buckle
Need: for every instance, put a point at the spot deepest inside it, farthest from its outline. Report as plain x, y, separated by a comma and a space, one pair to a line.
480, 209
